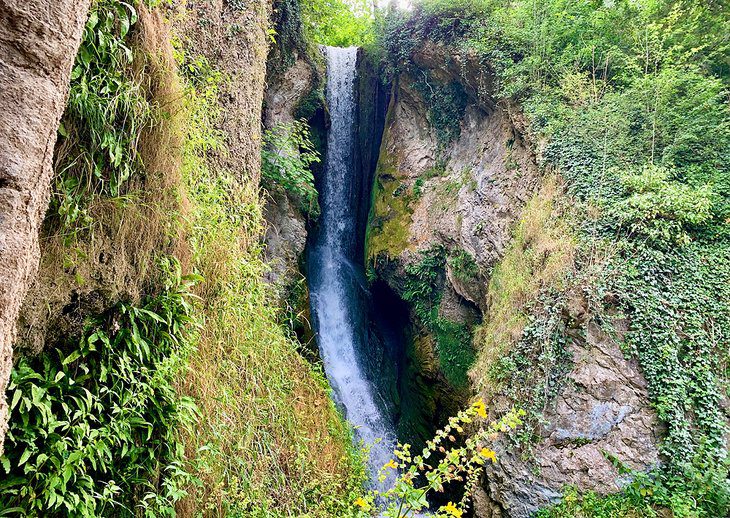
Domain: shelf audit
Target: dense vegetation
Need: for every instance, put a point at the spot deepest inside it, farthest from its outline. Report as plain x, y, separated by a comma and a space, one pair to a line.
424, 290
630, 99
339, 23
185, 395
95, 422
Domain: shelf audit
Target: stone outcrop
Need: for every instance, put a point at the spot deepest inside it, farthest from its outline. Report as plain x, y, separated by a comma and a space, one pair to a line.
601, 416
466, 197
38, 43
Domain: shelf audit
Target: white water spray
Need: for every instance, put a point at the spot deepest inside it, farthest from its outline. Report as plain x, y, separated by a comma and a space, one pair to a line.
336, 293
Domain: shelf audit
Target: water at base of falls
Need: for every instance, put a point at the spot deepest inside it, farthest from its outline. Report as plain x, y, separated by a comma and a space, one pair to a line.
335, 275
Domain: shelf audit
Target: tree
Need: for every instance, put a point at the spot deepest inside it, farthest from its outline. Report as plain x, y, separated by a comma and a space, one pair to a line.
38, 43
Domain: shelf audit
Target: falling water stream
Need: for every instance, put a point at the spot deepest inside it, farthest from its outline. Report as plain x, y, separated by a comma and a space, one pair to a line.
335, 273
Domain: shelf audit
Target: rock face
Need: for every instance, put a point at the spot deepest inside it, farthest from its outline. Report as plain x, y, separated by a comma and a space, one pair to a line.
38, 43
113, 262
459, 198
465, 196
286, 225
602, 413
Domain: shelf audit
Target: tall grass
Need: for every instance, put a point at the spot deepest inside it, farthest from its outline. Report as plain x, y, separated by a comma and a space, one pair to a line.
539, 256
269, 440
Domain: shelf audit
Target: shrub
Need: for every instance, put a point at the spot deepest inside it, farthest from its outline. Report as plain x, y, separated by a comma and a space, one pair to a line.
287, 156
94, 425
463, 266
660, 209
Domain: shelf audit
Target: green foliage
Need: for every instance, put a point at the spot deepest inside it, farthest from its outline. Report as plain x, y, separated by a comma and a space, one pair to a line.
463, 266
289, 35
455, 351
287, 157
650, 495
107, 108
631, 101
93, 424
592, 505
423, 283
660, 209
443, 462
423, 287
339, 23
679, 321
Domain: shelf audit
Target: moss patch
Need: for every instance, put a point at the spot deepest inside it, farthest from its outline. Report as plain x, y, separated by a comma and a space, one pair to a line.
391, 212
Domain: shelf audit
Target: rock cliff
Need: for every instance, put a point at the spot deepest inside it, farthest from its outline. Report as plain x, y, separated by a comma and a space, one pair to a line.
455, 173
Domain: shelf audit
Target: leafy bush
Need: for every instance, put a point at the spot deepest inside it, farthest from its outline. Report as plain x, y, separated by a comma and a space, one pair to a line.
463, 266
660, 209
592, 505
93, 426
287, 156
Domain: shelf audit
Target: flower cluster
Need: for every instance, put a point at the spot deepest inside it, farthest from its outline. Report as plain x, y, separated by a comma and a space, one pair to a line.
446, 459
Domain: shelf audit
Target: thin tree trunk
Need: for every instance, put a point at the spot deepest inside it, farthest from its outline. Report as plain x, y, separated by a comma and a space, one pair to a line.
39, 40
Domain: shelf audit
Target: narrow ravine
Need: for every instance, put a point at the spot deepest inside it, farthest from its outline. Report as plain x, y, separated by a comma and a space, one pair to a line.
335, 273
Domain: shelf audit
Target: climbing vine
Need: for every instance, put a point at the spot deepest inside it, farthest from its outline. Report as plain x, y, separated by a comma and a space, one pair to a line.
446, 106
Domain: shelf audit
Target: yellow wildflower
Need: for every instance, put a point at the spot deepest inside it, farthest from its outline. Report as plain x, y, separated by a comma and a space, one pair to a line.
451, 510
362, 504
480, 408
488, 454
391, 464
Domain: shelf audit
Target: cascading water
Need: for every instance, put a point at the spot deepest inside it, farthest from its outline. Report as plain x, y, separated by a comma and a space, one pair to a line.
335, 274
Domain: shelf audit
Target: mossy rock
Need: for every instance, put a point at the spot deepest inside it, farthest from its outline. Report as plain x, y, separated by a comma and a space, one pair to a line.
391, 213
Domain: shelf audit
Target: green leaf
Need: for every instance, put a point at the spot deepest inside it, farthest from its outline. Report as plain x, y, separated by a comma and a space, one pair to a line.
72, 357
16, 398
24, 457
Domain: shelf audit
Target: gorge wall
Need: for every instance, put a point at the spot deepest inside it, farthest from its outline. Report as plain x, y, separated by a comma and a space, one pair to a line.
178, 201
462, 212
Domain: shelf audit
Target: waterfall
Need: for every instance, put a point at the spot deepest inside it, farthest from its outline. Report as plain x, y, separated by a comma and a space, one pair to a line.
337, 288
